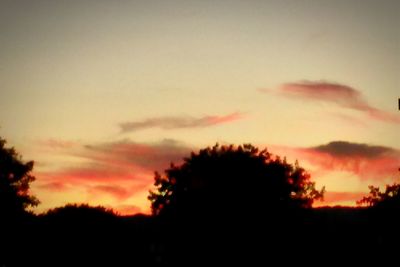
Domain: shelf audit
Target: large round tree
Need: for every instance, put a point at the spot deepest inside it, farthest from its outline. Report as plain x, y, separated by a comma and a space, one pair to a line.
232, 180
15, 178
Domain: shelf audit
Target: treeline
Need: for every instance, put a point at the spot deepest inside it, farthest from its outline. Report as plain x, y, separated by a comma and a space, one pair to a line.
223, 205
90, 238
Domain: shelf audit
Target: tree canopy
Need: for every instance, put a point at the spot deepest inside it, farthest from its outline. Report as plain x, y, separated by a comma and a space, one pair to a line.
231, 179
15, 179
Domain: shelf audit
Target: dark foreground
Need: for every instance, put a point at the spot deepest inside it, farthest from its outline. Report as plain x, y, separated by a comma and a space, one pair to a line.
313, 237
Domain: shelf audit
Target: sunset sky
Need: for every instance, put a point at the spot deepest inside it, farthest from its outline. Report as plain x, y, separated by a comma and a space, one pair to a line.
100, 94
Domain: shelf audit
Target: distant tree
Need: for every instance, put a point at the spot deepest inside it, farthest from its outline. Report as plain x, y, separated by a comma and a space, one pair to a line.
230, 179
15, 179
79, 213
390, 198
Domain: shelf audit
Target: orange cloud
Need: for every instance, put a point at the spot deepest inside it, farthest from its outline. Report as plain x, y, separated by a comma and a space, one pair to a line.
168, 123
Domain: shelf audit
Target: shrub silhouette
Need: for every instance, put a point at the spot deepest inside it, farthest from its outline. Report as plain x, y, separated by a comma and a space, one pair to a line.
376, 197
15, 178
390, 198
79, 213
230, 180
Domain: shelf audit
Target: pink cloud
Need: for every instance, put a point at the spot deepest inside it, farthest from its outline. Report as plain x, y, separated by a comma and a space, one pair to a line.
368, 162
118, 169
87, 172
150, 157
119, 161
383, 116
168, 123
339, 94
367, 169
330, 92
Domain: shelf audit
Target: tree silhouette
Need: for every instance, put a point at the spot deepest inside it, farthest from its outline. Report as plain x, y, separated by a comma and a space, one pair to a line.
79, 213
232, 180
390, 198
15, 178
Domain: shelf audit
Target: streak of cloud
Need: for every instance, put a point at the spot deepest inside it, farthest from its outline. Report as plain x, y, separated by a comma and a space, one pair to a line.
339, 94
168, 123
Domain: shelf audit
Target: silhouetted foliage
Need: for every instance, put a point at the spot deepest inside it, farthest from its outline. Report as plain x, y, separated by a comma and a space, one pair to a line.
390, 198
15, 179
232, 180
79, 213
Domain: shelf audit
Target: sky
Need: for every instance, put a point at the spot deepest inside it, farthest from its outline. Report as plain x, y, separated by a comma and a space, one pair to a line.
100, 94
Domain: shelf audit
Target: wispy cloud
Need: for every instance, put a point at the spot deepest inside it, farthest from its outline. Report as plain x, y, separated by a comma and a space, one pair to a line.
92, 172
119, 161
57, 143
148, 156
342, 95
120, 169
339, 94
174, 122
